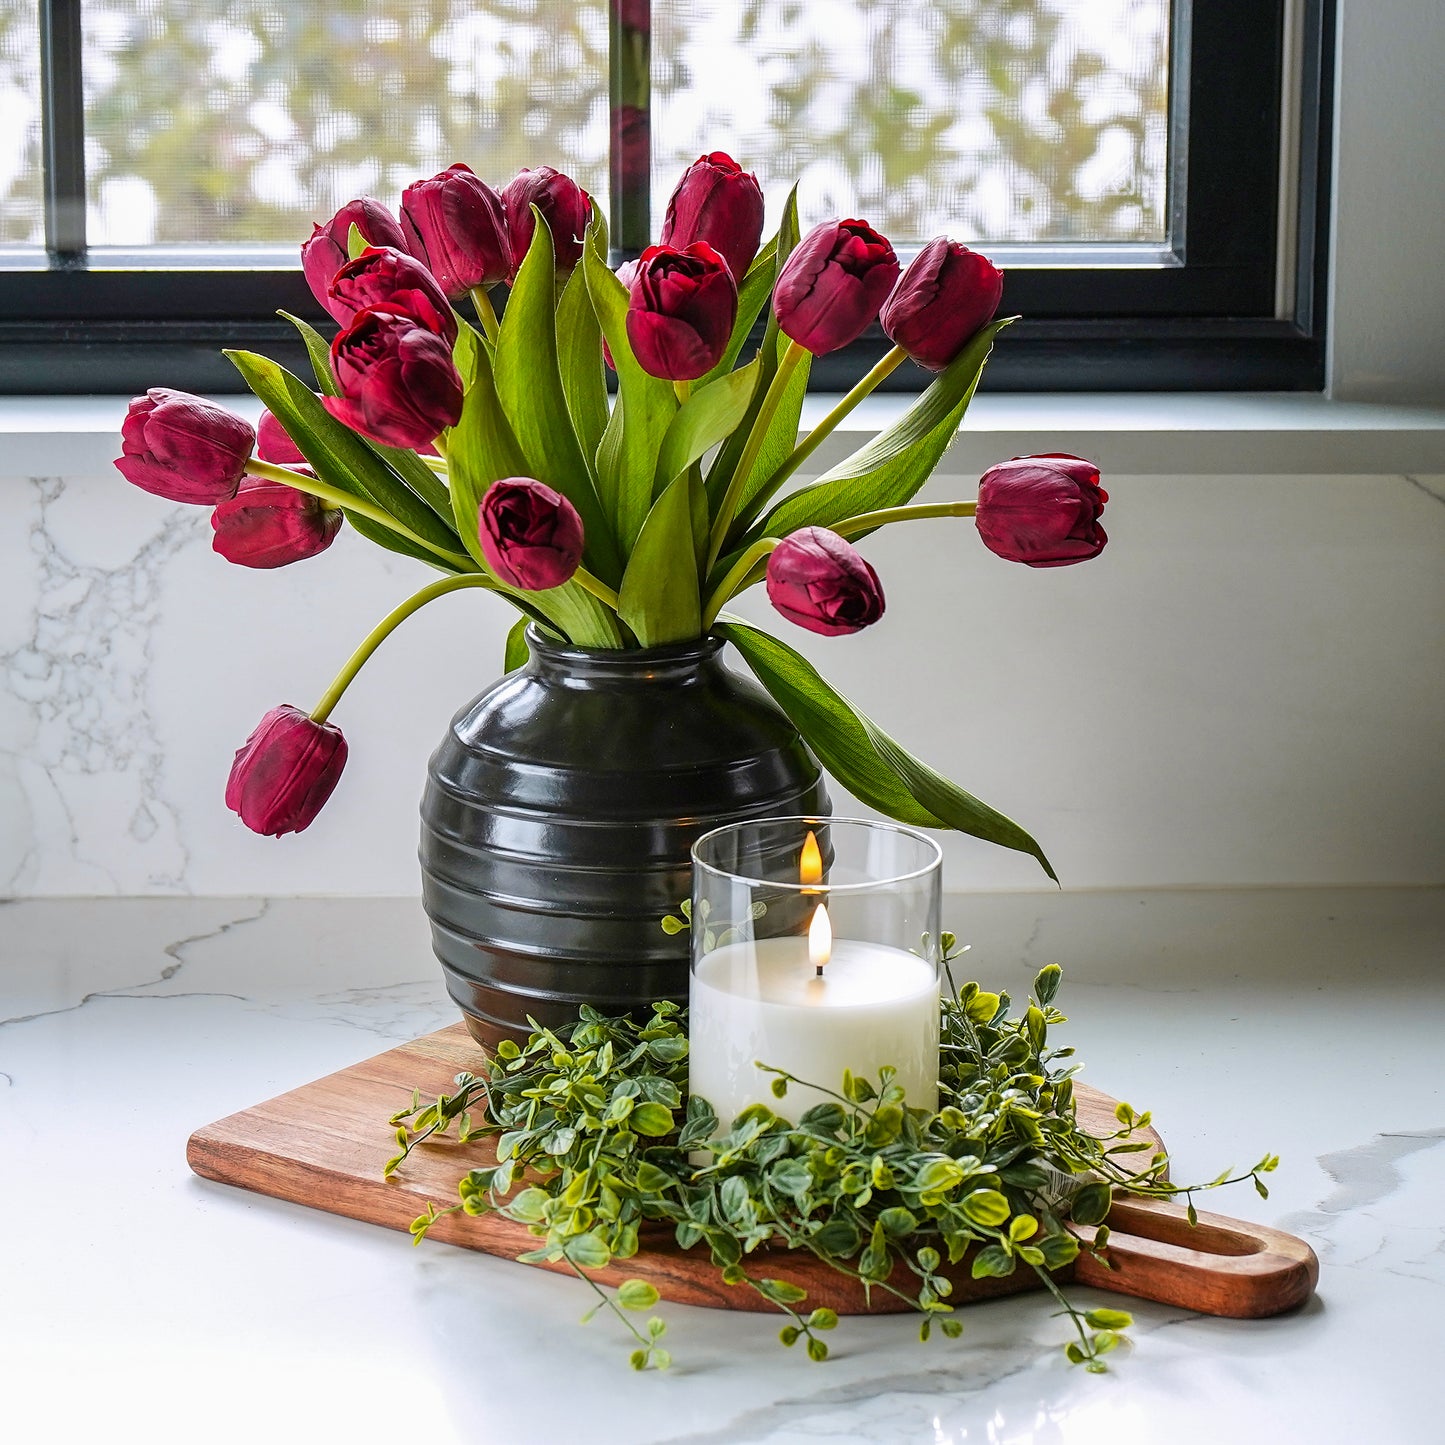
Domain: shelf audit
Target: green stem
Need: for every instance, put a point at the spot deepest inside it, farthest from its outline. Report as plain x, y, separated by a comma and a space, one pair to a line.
733, 581
437, 464
596, 586
334, 497
482, 300
383, 630
764, 419
682, 390
815, 438
867, 521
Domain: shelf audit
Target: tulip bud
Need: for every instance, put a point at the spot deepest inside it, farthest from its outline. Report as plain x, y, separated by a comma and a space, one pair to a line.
268, 524
941, 301
564, 205
819, 581
274, 445
1043, 511
832, 285
286, 771
531, 535
398, 383
392, 281
681, 309
181, 447
718, 202
326, 252
456, 224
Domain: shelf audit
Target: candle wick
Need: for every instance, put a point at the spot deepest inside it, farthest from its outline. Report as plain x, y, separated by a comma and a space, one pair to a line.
820, 970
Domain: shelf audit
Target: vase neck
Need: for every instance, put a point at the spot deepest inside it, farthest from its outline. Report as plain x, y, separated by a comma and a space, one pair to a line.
676, 663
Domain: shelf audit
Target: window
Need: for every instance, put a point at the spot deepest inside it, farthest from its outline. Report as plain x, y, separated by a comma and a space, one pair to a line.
1149, 173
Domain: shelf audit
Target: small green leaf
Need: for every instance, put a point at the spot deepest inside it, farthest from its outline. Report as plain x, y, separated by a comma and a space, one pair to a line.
992, 1261
952, 1328
986, 1207
1091, 1204
782, 1291
654, 1120
587, 1251
823, 1318
789, 1335
637, 1294
817, 1349
1105, 1319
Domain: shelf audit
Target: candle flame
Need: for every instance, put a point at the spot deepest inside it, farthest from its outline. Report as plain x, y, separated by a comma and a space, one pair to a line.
820, 939
810, 864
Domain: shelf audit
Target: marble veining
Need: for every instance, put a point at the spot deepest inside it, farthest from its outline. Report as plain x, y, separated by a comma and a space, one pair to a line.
125, 1023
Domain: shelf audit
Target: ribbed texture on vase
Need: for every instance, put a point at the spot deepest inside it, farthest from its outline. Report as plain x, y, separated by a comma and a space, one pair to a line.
558, 817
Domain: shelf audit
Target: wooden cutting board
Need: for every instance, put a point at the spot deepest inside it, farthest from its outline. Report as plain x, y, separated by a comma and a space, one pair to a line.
323, 1145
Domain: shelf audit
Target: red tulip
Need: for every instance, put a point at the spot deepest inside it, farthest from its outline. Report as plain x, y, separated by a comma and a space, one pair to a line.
718, 202
398, 384
286, 771
326, 252
183, 448
941, 301
456, 224
274, 445
564, 205
268, 524
819, 581
832, 285
531, 535
681, 310
1043, 511
633, 14
389, 279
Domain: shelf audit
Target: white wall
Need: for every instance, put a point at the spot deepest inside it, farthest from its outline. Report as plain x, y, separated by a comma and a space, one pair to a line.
1245, 688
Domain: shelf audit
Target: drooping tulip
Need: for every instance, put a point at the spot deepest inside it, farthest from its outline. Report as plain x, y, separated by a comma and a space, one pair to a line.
531, 535
326, 252
941, 301
819, 581
1042, 511
718, 202
285, 772
273, 444
681, 309
564, 205
398, 383
393, 281
456, 223
268, 524
832, 285
184, 448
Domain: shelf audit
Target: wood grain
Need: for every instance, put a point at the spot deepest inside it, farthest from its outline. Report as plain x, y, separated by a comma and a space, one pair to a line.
323, 1145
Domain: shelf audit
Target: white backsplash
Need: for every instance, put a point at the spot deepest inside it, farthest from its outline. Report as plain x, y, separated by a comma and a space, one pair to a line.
1246, 688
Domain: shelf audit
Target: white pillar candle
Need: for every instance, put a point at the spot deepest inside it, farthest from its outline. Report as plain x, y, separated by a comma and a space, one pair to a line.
872, 1006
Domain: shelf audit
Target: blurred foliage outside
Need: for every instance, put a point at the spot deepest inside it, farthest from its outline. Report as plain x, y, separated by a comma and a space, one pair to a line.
242, 121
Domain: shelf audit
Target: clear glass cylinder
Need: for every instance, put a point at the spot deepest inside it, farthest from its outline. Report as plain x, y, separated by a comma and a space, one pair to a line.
815, 949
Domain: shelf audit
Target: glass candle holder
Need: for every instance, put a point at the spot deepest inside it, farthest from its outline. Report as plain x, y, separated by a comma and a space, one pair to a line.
815, 949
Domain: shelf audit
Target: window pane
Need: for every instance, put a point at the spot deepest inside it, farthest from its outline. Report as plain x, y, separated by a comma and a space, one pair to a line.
990, 120
240, 121
21, 216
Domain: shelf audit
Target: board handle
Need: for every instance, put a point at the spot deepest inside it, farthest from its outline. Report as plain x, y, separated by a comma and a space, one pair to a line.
1219, 1266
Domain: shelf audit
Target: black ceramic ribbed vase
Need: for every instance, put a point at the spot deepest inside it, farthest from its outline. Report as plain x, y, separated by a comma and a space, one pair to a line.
558, 817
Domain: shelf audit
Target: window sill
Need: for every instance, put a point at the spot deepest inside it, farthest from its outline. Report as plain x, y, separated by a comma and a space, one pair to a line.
1126, 434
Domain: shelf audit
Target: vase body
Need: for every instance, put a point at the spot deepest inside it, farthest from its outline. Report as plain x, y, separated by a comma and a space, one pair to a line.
559, 813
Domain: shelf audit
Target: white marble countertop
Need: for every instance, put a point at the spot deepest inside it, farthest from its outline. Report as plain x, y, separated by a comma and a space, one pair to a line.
139, 1302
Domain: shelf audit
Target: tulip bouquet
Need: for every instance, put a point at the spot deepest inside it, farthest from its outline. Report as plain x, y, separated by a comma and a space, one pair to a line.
487, 448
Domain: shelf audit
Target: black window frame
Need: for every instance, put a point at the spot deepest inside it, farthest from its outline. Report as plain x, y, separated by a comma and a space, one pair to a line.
1200, 314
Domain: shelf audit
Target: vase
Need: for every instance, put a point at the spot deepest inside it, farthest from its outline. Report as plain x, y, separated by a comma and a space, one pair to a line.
558, 816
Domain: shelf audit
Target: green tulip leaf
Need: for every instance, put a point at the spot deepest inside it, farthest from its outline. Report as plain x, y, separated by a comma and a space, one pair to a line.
529, 386
579, 358
517, 652
784, 431
891, 468
707, 417
861, 756
319, 350
627, 454
659, 597
753, 294
356, 243
348, 462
